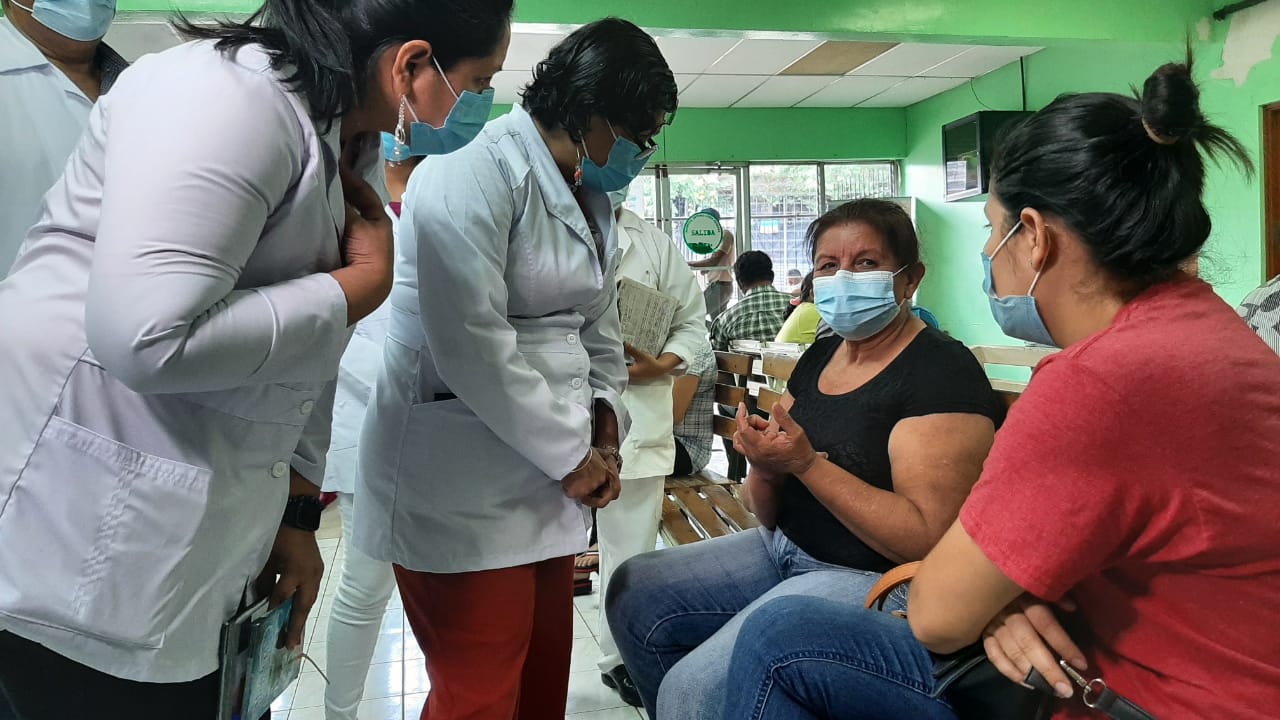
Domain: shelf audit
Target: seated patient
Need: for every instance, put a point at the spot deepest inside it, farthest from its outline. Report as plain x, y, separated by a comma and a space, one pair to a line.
1135, 477
903, 417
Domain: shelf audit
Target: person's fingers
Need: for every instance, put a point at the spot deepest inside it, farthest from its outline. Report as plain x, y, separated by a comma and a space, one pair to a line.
360, 195
997, 656
1047, 626
1027, 649
786, 423
743, 418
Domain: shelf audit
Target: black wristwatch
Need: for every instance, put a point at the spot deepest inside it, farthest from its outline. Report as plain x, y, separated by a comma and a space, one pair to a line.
303, 513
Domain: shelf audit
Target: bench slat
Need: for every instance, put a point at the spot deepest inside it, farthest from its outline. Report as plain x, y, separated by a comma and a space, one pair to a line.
724, 427
701, 511
731, 507
676, 529
733, 363
779, 366
730, 395
767, 399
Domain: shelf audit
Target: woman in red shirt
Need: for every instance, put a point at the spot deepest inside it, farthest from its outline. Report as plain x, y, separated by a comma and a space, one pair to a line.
1135, 480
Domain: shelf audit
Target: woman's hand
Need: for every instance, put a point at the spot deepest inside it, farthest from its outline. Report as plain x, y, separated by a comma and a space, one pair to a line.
1025, 635
595, 483
367, 249
294, 569
647, 367
778, 447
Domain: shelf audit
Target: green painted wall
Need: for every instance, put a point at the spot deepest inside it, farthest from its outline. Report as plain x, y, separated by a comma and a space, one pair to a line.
953, 233
1133, 20
707, 135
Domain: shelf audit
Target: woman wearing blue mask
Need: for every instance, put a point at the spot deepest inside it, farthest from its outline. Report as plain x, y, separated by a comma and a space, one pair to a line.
498, 413
172, 329
1134, 479
865, 463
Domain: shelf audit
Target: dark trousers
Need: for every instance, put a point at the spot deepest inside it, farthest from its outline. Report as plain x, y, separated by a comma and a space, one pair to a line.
43, 685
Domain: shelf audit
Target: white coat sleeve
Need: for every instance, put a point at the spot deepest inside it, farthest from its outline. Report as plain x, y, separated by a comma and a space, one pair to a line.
602, 338
688, 324
189, 187
459, 215
310, 456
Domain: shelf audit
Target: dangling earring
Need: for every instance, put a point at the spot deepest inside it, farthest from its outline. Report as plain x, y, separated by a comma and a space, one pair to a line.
400, 133
577, 171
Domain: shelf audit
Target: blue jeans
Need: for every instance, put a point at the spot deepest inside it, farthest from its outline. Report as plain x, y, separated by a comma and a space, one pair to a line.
676, 613
807, 657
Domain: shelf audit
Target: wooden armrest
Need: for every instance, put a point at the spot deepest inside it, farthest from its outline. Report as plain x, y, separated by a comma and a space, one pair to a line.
889, 582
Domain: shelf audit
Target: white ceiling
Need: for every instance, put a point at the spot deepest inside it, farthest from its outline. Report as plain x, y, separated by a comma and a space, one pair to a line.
723, 72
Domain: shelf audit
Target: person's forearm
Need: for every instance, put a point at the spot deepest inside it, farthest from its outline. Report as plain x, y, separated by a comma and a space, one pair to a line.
761, 497
713, 261
606, 426
888, 522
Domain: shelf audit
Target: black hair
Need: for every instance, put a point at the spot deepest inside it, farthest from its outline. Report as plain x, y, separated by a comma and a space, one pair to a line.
887, 218
712, 212
330, 46
753, 267
1126, 174
609, 68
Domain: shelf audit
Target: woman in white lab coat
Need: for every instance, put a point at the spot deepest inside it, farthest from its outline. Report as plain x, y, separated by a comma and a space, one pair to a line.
172, 331
497, 412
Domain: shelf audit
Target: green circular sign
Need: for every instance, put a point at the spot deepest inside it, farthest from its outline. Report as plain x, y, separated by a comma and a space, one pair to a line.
703, 233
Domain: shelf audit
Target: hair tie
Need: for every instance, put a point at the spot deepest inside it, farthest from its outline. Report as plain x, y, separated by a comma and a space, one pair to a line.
1156, 136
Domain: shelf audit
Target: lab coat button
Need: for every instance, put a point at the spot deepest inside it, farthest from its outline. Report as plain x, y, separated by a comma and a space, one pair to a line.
279, 470
576, 383
307, 406
571, 339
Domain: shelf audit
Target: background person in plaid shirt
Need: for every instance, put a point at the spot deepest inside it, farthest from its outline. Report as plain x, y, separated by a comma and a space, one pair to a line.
758, 315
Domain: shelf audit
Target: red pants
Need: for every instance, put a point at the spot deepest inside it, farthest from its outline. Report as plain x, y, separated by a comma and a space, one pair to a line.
497, 641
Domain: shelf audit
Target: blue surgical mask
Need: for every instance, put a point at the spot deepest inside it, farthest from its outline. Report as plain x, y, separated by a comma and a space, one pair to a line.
625, 162
857, 305
1017, 315
393, 151
82, 20
463, 124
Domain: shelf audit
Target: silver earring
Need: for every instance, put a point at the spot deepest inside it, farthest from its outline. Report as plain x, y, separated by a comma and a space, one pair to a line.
577, 171
400, 133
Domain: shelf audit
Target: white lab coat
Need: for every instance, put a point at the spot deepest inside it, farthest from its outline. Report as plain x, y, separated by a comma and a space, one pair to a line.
42, 115
357, 372
651, 259
502, 300
171, 336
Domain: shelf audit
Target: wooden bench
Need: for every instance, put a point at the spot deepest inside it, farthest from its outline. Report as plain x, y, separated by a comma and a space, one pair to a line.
1020, 356
706, 504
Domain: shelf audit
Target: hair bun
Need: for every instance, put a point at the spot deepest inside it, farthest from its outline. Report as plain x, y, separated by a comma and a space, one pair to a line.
1171, 104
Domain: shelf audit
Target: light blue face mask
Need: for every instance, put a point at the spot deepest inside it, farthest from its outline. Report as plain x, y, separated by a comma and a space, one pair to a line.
393, 151
857, 305
617, 198
1017, 315
625, 162
82, 20
463, 124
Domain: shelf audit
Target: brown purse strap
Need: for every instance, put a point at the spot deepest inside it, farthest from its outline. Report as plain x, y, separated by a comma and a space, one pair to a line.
889, 582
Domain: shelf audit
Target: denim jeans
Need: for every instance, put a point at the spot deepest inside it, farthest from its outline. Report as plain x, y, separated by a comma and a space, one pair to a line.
805, 657
676, 613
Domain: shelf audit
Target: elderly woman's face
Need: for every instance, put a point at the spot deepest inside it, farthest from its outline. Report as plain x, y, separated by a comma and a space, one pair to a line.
855, 247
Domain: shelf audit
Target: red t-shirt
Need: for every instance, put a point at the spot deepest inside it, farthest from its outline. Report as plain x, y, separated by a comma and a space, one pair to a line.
1140, 473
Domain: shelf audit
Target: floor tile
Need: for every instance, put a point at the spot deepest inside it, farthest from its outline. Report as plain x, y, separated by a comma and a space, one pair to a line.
586, 651
310, 691
413, 706
318, 652
285, 701
391, 708
580, 627
384, 680
391, 647
621, 713
587, 693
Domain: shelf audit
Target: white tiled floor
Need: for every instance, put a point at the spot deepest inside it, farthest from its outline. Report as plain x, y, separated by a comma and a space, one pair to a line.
397, 684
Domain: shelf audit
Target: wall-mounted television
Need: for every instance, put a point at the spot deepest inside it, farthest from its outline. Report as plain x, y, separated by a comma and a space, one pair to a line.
967, 147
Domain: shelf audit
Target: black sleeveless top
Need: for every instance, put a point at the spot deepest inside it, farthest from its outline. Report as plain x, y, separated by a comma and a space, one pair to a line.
933, 374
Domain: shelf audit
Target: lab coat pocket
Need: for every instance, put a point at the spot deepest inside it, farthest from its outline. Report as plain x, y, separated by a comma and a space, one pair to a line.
109, 528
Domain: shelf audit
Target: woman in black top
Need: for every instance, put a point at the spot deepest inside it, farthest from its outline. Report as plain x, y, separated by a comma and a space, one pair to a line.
867, 459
